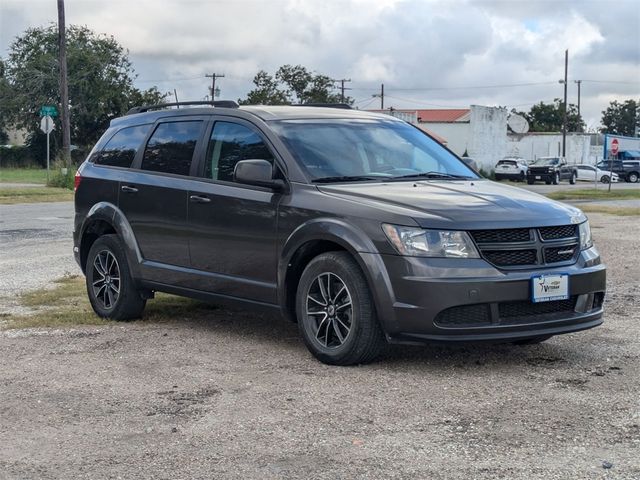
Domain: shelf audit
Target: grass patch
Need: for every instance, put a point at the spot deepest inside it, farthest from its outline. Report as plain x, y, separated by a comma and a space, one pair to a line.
23, 175
34, 194
593, 194
67, 304
620, 211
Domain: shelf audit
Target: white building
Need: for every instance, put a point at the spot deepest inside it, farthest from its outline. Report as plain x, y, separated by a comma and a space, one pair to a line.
482, 133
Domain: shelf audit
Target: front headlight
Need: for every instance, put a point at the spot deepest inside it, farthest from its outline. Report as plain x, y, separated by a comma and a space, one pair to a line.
585, 235
418, 242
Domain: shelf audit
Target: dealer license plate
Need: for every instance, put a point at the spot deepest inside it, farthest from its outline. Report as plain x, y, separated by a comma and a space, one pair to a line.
545, 288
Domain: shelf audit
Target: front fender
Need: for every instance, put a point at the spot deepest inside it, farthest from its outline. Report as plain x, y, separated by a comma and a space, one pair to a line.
353, 240
108, 212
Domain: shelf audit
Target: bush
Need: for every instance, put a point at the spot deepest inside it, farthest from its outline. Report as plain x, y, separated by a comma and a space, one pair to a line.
59, 179
16, 157
491, 174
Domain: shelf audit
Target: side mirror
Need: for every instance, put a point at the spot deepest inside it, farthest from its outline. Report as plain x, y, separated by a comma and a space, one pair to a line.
257, 172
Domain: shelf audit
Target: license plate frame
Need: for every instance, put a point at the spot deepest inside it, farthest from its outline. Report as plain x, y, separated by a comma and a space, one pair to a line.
549, 287
538, 177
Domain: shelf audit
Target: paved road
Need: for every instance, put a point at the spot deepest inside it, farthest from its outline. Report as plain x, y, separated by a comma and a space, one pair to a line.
36, 246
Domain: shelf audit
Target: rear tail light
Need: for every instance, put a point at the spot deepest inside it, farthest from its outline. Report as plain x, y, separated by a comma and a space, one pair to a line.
76, 181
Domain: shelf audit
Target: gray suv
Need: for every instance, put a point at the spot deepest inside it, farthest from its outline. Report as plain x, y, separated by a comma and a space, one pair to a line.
358, 226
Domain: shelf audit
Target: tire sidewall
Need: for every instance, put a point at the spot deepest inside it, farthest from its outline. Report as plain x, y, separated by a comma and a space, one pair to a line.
361, 308
112, 244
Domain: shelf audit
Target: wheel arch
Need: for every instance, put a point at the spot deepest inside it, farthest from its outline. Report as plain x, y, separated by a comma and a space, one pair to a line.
105, 218
310, 240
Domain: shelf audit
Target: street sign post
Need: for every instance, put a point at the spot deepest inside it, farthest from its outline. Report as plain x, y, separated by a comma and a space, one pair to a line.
48, 110
615, 146
47, 126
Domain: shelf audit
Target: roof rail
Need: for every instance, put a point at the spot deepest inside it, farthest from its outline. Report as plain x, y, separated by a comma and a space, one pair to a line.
343, 106
215, 103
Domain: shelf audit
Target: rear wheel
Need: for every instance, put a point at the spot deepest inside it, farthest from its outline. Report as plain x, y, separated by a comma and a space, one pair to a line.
572, 180
111, 290
633, 177
335, 311
604, 179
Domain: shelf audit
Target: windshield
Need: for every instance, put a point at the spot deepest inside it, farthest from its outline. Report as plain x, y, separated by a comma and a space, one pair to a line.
546, 161
361, 150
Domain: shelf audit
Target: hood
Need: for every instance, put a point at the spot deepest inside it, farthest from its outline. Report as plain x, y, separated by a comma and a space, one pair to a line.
477, 204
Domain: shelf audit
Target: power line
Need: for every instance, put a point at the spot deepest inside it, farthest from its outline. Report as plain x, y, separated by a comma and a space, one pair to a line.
342, 87
213, 77
470, 87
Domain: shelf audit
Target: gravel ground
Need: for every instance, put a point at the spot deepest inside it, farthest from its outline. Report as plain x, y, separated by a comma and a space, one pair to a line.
36, 248
236, 395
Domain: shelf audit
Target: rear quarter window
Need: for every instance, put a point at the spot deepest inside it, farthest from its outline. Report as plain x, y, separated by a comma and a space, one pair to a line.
120, 150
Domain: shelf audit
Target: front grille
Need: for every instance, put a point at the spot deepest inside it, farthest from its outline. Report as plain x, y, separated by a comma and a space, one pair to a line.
560, 254
528, 246
502, 236
555, 233
504, 258
508, 313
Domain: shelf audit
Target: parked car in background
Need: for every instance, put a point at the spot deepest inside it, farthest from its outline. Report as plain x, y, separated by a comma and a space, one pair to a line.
629, 155
629, 170
511, 168
590, 173
551, 170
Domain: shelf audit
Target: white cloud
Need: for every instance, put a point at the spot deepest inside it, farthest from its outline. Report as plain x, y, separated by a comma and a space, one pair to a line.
417, 48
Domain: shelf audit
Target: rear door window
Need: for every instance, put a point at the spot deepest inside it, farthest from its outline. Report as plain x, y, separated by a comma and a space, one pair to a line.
230, 143
170, 149
122, 147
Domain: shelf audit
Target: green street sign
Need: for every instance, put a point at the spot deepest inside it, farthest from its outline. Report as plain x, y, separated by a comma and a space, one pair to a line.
49, 110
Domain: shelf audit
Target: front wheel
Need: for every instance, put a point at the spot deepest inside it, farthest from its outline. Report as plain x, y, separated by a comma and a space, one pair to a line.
530, 181
110, 287
604, 179
556, 179
572, 180
521, 177
335, 311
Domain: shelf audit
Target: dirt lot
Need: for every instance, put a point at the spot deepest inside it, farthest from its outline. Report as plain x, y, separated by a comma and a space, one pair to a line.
236, 395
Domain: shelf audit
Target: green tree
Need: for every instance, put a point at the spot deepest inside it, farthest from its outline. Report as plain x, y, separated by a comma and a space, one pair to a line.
547, 117
292, 84
4, 93
621, 118
100, 81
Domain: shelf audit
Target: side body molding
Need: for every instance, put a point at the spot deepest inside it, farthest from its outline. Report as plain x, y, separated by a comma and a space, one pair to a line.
108, 212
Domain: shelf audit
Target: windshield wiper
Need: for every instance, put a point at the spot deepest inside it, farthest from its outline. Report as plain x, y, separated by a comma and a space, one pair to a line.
348, 178
430, 175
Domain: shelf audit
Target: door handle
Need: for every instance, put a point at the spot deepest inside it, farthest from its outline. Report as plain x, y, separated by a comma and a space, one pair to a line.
199, 199
127, 189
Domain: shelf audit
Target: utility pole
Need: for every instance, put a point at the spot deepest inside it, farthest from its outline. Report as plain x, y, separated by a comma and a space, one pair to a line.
578, 82
564, 112
381, 95
342, 87
213, 77
64, 87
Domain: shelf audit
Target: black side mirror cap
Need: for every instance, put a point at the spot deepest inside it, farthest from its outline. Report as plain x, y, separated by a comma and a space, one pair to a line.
257, 172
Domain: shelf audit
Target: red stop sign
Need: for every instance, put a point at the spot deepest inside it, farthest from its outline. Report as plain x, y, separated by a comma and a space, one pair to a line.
614, 146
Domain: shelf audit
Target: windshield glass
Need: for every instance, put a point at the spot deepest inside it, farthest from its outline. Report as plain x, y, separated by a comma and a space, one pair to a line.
361, 150
547, 161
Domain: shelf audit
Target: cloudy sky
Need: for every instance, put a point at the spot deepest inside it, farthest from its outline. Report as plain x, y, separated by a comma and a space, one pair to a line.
429, 54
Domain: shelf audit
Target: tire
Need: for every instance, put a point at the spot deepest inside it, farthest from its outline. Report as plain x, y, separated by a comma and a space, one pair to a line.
604, 179
556, 178
532, 341
547, 182
522, 177
572, 180
334, 333
110, 298
530, 181
633, 177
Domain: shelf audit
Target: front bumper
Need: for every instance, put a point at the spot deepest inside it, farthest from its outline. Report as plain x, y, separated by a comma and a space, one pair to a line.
454, 300
509, 175
544, 176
